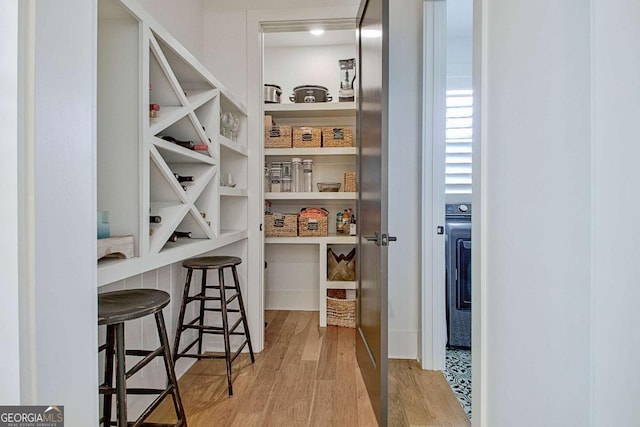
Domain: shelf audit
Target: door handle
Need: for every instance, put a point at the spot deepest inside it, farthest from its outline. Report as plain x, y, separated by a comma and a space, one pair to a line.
386, 239
375, 238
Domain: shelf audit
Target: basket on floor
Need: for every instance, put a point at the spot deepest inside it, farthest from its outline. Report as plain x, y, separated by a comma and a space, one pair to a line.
341, 312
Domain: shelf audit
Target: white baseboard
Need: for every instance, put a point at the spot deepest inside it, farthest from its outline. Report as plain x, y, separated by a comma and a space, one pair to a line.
403, 344
292, 300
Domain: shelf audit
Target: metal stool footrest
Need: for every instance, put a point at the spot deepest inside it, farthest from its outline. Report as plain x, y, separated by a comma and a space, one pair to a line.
205, 264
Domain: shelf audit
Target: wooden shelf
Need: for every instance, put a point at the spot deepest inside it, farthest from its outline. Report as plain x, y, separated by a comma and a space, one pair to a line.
323, 151
341, 285
329, 240
173, 153
311, 196
233, 146
112, 270
233, 192
315, 109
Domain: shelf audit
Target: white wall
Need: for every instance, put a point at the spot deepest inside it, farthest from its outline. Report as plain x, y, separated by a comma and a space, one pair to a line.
289, 67
225, 35
183, 19
536, 203
225, 49
615, 177
64, 305
9, 315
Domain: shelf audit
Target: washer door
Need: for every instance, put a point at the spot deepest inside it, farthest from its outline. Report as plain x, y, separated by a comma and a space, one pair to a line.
463, 276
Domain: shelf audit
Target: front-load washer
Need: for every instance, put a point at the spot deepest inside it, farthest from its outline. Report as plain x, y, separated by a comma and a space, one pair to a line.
458, 274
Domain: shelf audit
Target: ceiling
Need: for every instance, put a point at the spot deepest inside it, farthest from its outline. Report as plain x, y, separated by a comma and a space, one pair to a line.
459, 24
304, 38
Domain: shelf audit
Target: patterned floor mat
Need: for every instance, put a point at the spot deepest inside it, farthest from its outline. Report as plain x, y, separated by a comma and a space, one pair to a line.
458, 375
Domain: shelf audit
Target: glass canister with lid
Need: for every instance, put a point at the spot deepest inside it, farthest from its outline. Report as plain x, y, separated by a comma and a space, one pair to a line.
276, 177
296, 174
307, 167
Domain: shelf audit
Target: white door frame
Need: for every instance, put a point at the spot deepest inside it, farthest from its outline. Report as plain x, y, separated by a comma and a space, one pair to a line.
434, 336
256, 19
433, 302
10, 194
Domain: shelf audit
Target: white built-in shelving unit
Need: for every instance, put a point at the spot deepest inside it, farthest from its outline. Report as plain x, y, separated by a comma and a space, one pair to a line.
140, 63
329, 165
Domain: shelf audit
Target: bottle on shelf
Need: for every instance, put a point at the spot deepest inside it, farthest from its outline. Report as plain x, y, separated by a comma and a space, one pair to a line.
153, 110
346, 221
186, 144
339, 222
155, 219
183, 178
308, 175
179, 235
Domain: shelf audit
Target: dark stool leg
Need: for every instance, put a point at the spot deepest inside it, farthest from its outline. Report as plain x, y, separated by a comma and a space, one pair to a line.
203, 293
183, 306
242, 312
225, 328
170, 368
108, 374
121, 382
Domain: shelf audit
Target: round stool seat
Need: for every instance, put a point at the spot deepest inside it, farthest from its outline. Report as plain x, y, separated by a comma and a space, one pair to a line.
211, 262
120, 306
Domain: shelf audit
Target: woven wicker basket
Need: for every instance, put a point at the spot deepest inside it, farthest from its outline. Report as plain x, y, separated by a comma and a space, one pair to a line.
277, 136
312, 227
341, 267
341, 312
337, 137
350, 182
307, 137
281, 225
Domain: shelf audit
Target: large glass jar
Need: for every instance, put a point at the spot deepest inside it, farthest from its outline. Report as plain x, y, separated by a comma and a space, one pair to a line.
286, 184
307, 167
276, 179
296, 174
267, 179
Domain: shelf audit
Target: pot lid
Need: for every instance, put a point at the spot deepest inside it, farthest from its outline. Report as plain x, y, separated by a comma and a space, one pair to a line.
310, 87
270, 85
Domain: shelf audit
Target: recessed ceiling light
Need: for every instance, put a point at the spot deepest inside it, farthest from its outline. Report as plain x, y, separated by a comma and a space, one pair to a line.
317, 31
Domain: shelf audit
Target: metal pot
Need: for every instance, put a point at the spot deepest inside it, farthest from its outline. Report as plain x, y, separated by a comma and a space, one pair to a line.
272, 94
310, 93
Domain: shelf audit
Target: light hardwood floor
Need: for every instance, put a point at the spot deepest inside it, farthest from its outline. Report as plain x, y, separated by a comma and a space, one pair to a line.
308, 376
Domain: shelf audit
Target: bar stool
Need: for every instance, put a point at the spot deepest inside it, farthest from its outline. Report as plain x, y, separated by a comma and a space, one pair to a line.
204, 264
114, 309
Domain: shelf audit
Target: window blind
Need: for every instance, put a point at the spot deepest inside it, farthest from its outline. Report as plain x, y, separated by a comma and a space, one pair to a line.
458, 138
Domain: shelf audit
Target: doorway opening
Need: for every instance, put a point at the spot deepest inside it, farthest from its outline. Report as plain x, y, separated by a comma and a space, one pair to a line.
447, 210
